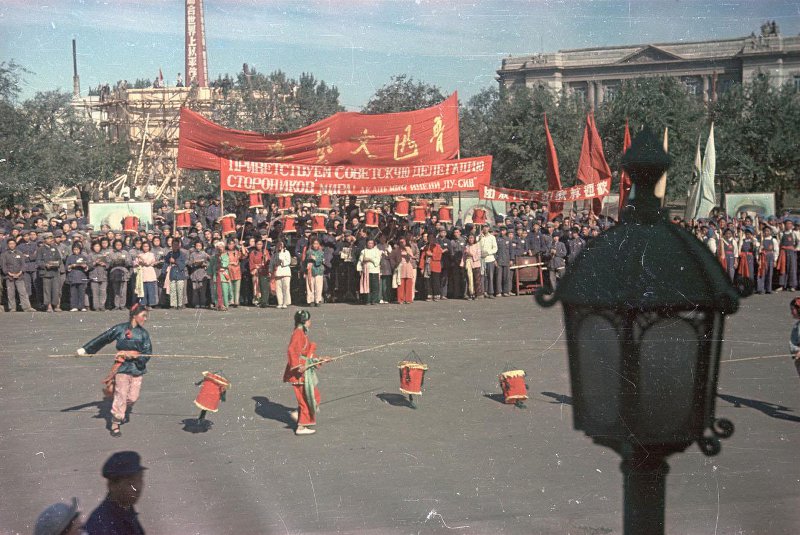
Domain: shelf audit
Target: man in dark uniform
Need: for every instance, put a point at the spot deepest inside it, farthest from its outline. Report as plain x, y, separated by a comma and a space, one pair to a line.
457, 246
503, 259
12, 264
555, 260
50, 263
116, 515
575, 245
28, 248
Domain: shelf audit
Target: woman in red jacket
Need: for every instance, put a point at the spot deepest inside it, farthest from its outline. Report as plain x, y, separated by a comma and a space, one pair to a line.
301, 372
431, 267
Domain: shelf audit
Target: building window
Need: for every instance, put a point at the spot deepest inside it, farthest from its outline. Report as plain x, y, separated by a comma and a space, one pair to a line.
724, 85
579, 93
693, 85
796, 81
610, 92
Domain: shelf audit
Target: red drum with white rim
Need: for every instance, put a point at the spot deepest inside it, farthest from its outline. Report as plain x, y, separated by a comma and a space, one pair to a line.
211, 391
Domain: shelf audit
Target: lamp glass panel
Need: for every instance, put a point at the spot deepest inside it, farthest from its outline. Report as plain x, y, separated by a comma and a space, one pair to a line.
600, 367
668, 355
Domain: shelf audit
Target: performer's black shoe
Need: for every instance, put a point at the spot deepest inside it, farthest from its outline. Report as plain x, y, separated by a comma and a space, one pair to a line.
115, 430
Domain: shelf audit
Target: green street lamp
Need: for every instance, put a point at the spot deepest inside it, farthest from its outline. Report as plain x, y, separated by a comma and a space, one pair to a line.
644, 308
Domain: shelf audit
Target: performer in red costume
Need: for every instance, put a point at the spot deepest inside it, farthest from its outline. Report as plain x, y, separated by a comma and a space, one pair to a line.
301, 372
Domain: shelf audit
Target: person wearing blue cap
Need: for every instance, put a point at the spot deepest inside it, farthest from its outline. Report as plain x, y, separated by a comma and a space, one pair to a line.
789, 241
115, 515
59, 519
747, 249
766, 261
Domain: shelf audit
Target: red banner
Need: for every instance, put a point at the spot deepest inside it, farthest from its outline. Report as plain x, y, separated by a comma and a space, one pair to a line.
279, 177
347, 138
581, 192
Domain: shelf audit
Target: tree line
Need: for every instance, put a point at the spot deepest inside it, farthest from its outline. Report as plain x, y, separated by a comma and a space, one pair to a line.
46, 144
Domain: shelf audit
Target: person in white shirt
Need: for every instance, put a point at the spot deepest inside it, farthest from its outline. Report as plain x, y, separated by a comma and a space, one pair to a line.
282, 273
488, 245
369, 264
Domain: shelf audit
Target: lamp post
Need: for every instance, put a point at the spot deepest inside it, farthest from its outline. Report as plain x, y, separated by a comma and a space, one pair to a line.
644, 307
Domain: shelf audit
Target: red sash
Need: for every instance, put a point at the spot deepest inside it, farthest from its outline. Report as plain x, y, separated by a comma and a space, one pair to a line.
744, 266
762, 264
781, 266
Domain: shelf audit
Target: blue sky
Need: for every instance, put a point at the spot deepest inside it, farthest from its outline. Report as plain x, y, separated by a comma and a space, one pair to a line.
356, 45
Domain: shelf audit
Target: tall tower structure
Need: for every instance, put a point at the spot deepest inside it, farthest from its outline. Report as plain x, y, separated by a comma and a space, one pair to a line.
196, 56
76, 81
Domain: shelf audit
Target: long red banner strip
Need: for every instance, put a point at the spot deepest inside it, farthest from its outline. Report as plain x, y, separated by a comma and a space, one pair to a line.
467, 174
346, 138
580, 192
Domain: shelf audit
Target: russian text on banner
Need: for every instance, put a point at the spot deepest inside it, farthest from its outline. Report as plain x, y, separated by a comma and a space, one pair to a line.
467, 174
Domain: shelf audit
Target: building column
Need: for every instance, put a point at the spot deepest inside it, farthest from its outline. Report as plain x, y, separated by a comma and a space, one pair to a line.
590, 94
601, 92
706, 88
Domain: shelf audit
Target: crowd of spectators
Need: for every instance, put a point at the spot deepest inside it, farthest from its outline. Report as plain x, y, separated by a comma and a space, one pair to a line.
61, 262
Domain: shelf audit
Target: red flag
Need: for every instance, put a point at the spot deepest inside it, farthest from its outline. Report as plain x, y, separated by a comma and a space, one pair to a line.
553, 176
160, 75
624, 179
592, 166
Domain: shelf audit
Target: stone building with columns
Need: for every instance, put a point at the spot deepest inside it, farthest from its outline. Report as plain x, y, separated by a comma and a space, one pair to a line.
706, 68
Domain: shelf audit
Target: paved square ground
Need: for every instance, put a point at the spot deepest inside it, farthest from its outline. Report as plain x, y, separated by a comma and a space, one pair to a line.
461, 463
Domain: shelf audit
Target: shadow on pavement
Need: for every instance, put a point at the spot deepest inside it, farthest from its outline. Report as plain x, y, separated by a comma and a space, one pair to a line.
103, 409
195, 425
273, 411
772, 410
395, 400
559, 398
496, 397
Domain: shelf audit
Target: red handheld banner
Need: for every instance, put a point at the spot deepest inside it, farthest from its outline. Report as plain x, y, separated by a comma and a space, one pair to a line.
345, 138
467, 174
577, 193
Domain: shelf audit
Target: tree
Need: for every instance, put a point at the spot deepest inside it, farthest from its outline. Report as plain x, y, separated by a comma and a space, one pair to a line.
658, 103
758, 129
403, 93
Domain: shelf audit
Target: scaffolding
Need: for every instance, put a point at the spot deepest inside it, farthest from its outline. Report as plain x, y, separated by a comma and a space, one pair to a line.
150, 120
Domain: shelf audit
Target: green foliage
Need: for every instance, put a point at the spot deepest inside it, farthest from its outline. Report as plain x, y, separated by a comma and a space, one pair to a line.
758, 130
47, 145
403, 93
273, 103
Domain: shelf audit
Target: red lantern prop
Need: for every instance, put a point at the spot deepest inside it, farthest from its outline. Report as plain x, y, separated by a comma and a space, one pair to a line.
211, 391
446, 214
514, 389
284, 201
228, 224
420, 214
371, 218
130, 224
401, 206
318, 223
289, 224
478, 216
412, 375
183, 218
324, 202
255, 199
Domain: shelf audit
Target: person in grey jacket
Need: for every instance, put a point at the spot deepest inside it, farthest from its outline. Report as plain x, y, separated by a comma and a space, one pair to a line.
119, 274
98, 277
12, 266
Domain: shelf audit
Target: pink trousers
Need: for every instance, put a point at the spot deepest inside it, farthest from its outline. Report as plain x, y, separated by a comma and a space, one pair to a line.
126, 392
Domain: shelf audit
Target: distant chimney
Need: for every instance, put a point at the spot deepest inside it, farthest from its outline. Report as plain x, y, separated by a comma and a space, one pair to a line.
76, 81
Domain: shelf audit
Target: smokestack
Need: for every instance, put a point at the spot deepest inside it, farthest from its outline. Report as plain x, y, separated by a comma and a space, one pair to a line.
76, 81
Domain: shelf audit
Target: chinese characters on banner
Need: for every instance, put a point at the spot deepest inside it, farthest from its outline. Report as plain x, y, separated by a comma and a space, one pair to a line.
347, 138
286, 177
580, 192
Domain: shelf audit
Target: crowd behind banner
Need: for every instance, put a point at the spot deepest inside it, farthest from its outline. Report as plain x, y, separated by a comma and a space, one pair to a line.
59, 262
